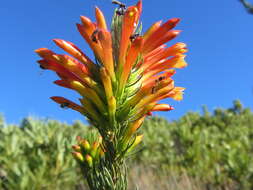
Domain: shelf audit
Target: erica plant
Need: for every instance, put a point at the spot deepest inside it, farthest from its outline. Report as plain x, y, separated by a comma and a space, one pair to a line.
130, 74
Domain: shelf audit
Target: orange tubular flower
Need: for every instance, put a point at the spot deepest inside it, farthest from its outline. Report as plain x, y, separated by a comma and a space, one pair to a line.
129, 24
130, 74
100, 19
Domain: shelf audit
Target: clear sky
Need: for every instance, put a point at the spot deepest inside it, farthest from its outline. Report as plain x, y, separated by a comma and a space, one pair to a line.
218, 34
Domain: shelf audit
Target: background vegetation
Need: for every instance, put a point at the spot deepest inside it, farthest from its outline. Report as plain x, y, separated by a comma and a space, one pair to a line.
198, 151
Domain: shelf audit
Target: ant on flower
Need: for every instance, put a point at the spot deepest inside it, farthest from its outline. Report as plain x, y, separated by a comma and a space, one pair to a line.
134, 36
42, 67
157, 82
94, 36
64, 105
122, 8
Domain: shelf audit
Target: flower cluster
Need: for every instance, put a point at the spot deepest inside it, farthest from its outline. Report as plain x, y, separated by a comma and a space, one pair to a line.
86, 153
130, 74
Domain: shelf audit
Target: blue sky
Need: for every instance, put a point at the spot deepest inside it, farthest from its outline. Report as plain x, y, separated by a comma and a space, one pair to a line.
218, 35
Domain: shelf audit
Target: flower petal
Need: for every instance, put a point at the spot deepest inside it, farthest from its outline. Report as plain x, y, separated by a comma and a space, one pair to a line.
161, 31
67, 103
101, 23
162, 107
152, 30
105, 39
75, 52
132, 55
129, 24
160, 40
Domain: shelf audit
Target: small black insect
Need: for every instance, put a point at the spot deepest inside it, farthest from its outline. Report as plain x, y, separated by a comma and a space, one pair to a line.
94, 36
161, 78
134, 36
64, 105
42, 67
120, 12
153, 90
122, 8
157, 82
121, 5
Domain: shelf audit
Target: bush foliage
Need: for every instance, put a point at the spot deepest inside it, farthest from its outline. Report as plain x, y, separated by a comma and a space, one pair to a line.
214, 148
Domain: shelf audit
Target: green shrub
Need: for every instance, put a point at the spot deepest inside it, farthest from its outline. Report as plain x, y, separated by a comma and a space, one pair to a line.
36, 155
215, 149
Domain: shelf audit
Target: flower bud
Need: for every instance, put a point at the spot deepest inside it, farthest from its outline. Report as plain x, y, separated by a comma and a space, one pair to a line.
85, 145
78, 156
94, 149
89, 160
76, 148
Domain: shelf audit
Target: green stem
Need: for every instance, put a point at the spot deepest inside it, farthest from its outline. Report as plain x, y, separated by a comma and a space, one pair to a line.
110, 173
107, 175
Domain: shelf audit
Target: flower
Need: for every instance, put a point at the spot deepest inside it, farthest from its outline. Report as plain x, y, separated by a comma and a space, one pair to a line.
130, 74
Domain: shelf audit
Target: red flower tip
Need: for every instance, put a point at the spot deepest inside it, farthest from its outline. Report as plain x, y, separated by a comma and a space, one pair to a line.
175, 21
65, 103
39, 50
162, 107
149, 113
101, 23
44, 52
62, 83
139, 6
57, 41
85, 21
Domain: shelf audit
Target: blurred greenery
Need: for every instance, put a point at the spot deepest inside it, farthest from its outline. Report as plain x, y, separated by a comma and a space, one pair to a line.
213, 148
